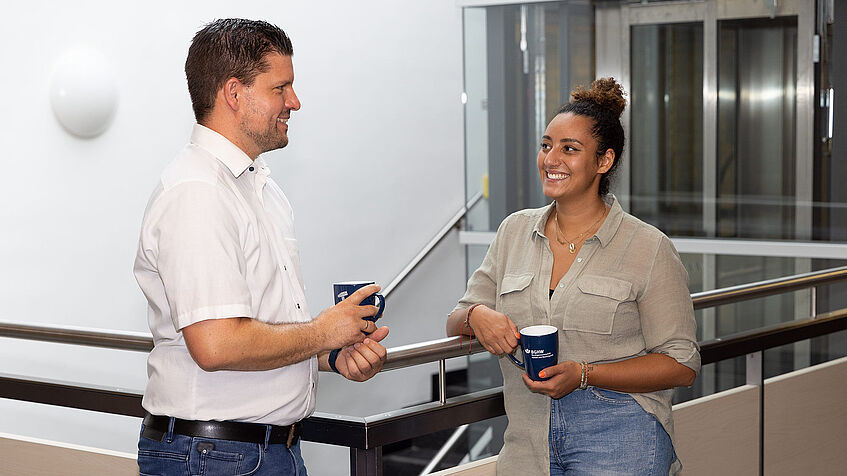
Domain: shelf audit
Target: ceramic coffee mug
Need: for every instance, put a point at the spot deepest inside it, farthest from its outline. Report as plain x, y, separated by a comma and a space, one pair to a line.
540, 346
340, 292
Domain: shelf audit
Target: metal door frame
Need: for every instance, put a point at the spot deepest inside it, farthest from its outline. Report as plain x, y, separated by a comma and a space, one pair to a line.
613, 59
613, 44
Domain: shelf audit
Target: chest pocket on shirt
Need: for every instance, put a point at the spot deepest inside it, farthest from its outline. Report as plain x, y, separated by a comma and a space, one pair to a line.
594, 305
514, 298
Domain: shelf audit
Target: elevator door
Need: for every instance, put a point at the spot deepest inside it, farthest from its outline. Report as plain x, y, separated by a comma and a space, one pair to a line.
720, 145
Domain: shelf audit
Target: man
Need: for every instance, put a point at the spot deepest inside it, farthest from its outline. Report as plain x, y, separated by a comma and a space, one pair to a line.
236, 353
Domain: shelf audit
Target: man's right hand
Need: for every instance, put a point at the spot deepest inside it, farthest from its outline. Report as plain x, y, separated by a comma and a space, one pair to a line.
494, 330
343, 323
363, 360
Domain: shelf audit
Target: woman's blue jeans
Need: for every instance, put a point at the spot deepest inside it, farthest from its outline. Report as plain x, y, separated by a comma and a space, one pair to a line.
596, 432
179, 455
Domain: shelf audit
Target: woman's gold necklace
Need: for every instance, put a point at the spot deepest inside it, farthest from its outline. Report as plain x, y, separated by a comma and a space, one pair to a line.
560, 237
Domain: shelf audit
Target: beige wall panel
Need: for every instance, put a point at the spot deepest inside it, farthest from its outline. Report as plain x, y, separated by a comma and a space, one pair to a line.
22, 457
805, 421
719, 434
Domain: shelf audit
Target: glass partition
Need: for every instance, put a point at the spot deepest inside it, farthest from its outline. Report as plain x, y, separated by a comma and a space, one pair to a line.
757, 159
722, 141
667, 127
521, 62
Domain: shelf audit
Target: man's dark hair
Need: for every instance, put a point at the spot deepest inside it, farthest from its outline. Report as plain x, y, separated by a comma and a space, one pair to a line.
229, 48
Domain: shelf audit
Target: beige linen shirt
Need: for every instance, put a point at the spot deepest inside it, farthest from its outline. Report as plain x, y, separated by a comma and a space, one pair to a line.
625, 295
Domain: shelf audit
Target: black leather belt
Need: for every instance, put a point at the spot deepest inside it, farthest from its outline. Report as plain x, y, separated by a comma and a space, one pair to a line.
156, 426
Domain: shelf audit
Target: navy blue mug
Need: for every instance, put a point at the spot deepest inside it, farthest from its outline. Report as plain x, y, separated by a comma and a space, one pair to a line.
540, 346
340, 292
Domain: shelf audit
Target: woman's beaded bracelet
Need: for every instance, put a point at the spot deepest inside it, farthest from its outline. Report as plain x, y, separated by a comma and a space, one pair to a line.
583, 378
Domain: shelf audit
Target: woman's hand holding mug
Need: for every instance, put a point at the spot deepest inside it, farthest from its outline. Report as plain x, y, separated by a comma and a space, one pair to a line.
562, 379
494, 330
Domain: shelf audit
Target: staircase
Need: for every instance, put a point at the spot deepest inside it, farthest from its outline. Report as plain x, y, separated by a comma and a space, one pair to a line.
410, 457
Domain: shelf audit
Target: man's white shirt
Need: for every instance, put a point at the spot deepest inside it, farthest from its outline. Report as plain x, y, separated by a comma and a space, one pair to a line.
217, 241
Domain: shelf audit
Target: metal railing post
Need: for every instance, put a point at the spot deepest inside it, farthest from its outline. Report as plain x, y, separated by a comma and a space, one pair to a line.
366, 462
814, 302
756, 376
442, 381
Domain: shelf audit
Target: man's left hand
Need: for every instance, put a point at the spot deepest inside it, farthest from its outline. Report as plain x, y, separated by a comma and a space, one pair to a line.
361, 361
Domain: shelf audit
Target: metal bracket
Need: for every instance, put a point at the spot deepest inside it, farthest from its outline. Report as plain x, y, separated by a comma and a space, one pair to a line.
754, 369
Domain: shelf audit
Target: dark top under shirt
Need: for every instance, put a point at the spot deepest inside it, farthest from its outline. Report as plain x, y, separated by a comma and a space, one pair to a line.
551, 293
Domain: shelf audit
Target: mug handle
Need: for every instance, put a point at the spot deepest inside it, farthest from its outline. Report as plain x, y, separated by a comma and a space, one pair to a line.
516, 361
381, 308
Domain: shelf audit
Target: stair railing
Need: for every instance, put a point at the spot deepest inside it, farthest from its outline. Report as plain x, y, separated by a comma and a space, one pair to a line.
365, 436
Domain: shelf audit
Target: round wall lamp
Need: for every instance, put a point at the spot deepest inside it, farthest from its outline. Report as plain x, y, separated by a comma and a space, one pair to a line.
83, 93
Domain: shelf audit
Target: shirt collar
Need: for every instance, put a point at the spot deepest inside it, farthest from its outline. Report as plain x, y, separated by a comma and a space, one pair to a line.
260, 163
606, 231
542, 221
613, 221
228, 153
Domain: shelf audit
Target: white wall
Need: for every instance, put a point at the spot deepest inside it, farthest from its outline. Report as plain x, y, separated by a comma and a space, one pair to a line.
374, 168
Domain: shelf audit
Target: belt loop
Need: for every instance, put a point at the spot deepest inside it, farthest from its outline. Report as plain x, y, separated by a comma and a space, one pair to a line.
267, 436
290, 439
170, 434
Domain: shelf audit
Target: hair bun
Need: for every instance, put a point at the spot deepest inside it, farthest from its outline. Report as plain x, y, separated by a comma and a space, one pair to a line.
605, 92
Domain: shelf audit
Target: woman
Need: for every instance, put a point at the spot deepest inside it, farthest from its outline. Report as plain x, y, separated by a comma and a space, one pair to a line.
616, 290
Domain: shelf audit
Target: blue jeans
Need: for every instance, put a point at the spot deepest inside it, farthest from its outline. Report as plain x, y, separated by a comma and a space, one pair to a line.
597, 432
179, 455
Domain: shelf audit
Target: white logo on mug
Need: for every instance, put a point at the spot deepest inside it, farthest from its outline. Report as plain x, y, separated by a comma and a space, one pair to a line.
342, 295
526, 351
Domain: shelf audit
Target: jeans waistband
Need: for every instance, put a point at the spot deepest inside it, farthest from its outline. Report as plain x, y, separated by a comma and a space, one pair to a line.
156, 426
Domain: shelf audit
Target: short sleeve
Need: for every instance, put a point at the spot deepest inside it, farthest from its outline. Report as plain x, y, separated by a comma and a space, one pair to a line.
195, 233
666, 309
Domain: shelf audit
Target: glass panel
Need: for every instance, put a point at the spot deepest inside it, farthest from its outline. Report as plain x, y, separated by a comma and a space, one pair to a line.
742, 316
732, 370
667, 127
756, 128
521, 62
756, 313
476, 117
533, 54
474, 254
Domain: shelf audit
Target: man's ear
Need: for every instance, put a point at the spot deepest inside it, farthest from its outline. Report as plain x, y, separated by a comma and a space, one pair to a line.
232, 93
606, 161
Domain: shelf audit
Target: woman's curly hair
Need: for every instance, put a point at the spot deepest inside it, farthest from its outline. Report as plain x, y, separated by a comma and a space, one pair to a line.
604, 103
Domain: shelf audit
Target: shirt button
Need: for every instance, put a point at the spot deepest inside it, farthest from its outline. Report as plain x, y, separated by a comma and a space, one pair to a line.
561, 285
579, 260
252, 168
298, 305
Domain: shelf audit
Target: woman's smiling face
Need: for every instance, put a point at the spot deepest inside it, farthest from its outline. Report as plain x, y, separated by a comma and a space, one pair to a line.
567, 160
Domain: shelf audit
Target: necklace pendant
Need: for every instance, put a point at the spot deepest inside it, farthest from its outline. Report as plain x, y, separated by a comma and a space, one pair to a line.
572, 248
